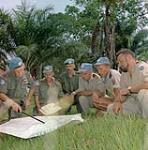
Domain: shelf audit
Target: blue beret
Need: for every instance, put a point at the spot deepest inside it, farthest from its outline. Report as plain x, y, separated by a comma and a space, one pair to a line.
69, 61
85, 67
14, 63
102, 61
47, 69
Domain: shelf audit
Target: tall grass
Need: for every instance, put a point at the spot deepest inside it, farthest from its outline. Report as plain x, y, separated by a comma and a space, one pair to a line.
104, 133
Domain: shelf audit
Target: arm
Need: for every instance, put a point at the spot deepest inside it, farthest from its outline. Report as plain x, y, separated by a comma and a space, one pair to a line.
37, 103
137, 88
85, 93
10, 103
28, 97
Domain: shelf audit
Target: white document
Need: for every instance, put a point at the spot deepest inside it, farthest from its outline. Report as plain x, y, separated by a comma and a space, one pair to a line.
28, 127
50, 109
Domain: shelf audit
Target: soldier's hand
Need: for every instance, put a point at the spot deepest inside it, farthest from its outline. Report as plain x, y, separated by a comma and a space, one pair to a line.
117, 107
95, 97
16, 107
27, 103
10, 103
39, 112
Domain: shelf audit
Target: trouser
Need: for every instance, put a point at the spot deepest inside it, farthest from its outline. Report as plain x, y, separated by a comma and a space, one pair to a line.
76, 102
135, 105
85, 103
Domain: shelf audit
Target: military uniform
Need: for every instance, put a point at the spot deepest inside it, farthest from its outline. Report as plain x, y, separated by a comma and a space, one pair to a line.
93, 84
135, 103
16, 89
111, 81
51, 94
48, 93
69, 84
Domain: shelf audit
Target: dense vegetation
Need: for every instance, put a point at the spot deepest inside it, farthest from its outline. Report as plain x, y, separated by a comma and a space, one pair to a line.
85, 31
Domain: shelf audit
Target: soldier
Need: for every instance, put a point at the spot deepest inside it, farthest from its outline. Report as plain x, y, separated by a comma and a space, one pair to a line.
133, 84
87, 86
111, 80
14, 87
70, 81
48, 90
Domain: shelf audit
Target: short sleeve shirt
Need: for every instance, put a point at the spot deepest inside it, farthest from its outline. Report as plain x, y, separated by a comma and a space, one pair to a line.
15, 88
93, 84
48, 93
139, 75
69, 84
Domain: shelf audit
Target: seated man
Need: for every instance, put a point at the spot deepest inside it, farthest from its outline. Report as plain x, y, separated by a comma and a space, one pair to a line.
49, 90
111, 80
70, 80
133, 84
87, 85
14, 87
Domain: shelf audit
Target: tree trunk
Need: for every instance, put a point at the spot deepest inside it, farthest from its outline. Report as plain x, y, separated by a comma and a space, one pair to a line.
94, 39
109, 40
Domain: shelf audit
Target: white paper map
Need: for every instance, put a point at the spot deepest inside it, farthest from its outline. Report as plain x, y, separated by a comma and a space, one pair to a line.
27, 127
50, 109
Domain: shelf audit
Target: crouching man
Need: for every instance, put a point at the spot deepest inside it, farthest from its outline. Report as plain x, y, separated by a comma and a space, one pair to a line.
14, 87
133, 84
111, 81
48, 90
88, 84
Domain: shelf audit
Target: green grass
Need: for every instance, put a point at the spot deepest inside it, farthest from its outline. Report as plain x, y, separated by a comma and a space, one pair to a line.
103, 133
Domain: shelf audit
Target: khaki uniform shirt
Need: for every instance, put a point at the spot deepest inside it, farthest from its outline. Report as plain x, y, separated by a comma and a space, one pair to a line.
15, 88
69, 84
111, 81
139, 75
93, 84
48, 93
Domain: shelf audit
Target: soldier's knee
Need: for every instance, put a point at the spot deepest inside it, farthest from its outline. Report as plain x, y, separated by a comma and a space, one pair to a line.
82, 99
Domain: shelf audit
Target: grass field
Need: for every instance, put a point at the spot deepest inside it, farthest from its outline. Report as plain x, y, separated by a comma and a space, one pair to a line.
103, 133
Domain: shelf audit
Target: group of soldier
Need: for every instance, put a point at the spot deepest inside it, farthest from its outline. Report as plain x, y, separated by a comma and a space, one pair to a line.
108, 90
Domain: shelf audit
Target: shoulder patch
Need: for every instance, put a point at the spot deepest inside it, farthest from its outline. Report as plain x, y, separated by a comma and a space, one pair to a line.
141, 68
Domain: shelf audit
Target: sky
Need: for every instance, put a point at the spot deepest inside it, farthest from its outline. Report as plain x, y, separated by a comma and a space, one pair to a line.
58, 5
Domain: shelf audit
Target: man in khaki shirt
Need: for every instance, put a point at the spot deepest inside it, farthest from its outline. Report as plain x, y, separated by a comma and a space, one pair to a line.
111, 79
49, 91
134, 85
14, 86
70, 81
87, 86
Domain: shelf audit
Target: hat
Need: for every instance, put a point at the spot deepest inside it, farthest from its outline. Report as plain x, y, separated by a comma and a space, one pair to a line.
103, 61
69, 61
14, 63
85, 67
47, 69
